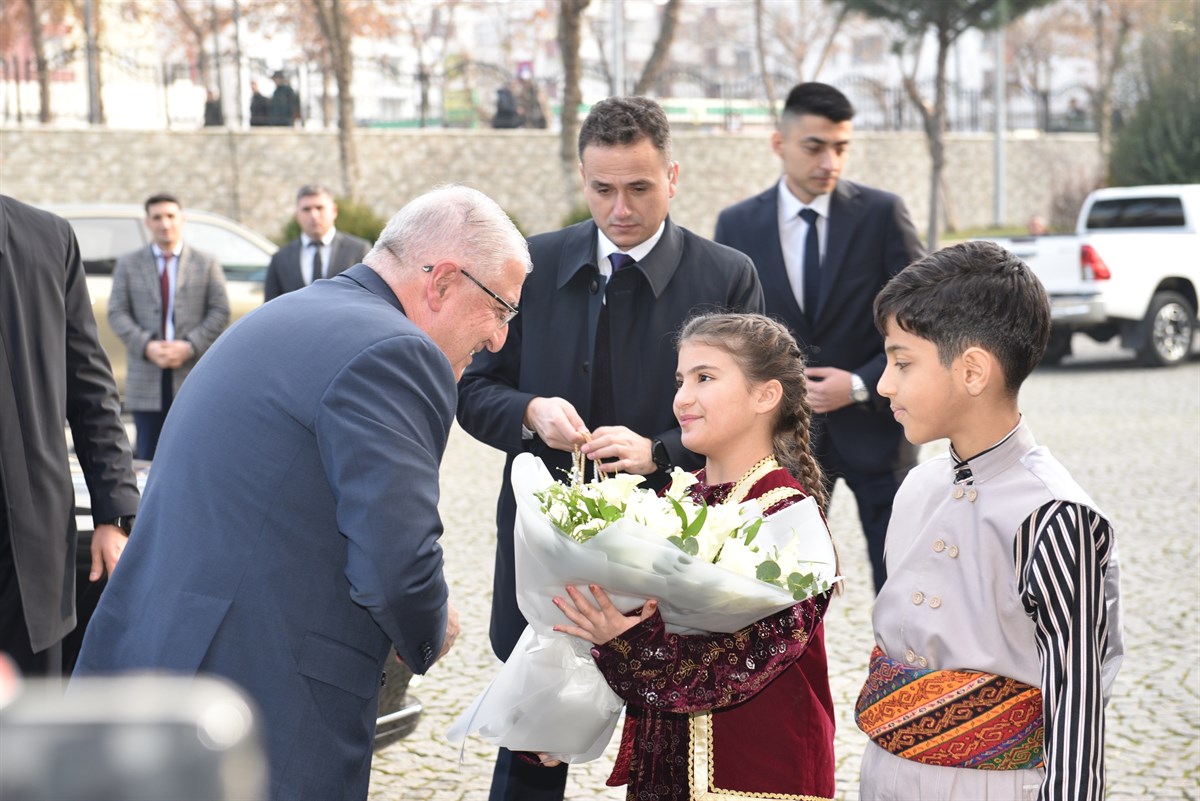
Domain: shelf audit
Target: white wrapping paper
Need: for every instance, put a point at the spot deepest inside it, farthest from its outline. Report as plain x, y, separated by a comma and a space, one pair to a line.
550, 696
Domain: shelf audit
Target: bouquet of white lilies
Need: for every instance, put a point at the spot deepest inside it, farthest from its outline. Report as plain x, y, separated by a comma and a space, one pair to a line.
712, 569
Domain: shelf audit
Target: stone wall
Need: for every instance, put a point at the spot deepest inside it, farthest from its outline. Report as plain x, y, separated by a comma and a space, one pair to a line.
251, 175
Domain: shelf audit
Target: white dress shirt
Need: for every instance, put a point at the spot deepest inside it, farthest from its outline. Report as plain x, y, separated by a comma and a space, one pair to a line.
793, 231
172, 277
307, 251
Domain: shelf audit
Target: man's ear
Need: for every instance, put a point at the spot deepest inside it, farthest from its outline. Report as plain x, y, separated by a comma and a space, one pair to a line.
979, 369
437, 284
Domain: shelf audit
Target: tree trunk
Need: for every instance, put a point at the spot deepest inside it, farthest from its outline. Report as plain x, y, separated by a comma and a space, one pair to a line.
570, 22
1106, 73
827, 50
202, 63
662, 48
331, 17
39, 53
761, 46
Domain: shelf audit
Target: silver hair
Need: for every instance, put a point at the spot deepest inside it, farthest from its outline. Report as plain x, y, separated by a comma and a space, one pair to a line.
449, 222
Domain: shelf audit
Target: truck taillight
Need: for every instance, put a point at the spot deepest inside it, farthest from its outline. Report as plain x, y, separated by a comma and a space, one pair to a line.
1091, 266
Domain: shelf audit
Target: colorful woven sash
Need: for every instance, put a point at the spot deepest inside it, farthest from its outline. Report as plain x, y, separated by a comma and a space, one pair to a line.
951, 718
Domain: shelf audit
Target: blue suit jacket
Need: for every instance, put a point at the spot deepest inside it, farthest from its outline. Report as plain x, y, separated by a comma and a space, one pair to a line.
288, 532
870, 239
551, 344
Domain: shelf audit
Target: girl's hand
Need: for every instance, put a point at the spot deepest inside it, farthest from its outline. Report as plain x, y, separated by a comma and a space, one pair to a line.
599, 623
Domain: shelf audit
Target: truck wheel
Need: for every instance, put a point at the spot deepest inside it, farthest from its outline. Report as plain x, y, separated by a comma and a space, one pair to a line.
1058, 348
1167, 331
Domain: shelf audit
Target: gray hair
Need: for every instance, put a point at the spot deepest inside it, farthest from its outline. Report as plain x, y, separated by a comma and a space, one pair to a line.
450, 221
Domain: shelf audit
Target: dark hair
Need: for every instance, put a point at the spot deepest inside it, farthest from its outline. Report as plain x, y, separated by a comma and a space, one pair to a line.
308, 190
764, 349
626, 121
820, 99
974, 294
161, 197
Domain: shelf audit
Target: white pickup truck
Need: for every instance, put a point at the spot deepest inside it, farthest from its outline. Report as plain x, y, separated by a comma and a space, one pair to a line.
1131, 269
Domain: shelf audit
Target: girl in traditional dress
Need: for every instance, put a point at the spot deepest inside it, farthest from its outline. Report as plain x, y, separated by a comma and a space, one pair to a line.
748, 714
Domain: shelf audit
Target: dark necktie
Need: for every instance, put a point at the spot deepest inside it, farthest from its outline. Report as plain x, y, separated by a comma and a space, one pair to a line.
165, 284
318, 268
812, 265
603, 411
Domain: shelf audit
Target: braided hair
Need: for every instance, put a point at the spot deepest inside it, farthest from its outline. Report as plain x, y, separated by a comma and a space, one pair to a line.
764, 349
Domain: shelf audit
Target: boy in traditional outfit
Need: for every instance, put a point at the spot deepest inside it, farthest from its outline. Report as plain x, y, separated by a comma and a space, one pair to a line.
998, 631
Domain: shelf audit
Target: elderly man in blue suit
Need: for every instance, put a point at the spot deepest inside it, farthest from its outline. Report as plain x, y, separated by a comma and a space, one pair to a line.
824, 247
289, 530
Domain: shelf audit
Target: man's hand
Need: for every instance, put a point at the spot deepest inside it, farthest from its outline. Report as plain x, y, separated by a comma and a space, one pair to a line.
177, 351
600, 623
107, 544
633, 452
828, 389
451, 629
156, 353
556, 423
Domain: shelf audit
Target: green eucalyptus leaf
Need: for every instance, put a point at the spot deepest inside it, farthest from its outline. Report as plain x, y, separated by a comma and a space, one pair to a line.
768, 571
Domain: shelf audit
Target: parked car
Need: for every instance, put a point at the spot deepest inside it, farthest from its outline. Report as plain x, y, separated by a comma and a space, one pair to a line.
109, 230
399, 711
1131, 269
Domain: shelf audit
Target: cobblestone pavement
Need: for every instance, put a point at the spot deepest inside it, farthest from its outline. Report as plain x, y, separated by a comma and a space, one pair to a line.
1131, 436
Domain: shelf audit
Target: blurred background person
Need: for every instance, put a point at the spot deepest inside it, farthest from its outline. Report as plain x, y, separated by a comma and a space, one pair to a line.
285, 103
168, 305
260, 106
321, 250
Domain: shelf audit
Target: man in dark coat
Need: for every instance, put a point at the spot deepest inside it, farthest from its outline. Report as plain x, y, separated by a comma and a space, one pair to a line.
859, 238
52, 369
285, 103
594, 347
321, 251
260, 106
289, 533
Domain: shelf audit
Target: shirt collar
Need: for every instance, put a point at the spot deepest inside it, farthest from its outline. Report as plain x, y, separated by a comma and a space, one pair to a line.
995, 459
158, 252
325, 240
605, 247
790, 205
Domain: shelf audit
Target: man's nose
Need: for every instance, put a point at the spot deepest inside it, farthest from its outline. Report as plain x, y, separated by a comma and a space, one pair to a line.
496, 341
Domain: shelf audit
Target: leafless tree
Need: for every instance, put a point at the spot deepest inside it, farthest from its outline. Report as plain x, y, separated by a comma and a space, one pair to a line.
570, 24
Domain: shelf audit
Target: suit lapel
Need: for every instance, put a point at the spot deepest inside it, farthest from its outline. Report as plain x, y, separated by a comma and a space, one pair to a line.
844, 208
772, 270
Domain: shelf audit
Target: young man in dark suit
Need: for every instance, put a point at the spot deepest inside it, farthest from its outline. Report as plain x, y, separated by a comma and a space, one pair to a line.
594, 347
321, 251
824, 247
52, 363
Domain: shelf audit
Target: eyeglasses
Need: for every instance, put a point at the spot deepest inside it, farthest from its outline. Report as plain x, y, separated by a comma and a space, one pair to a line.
510, 310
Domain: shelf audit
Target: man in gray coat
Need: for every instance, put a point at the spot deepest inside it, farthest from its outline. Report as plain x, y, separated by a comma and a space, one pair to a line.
289, 532
168, 305
321, 250
52, 368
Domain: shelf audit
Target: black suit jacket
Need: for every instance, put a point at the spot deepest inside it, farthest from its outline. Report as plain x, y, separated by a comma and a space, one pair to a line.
52, 368
550, 348
283, 274
870, 238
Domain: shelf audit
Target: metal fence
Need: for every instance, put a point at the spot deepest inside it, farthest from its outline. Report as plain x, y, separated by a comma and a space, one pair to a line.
469, 93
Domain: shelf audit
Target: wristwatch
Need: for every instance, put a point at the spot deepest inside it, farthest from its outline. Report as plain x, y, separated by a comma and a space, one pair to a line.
858, 389
124, 522
658, 452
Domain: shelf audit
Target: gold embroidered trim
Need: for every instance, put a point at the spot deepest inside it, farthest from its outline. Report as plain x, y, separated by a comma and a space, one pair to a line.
746, 483
772, 497
702, 767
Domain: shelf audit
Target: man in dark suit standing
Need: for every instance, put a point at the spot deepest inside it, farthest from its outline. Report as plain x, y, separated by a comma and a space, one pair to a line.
289, 531
594, 347
322, 251
824, 247
52, 368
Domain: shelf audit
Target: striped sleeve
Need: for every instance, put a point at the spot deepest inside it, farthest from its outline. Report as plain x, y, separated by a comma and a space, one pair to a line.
1061, 555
